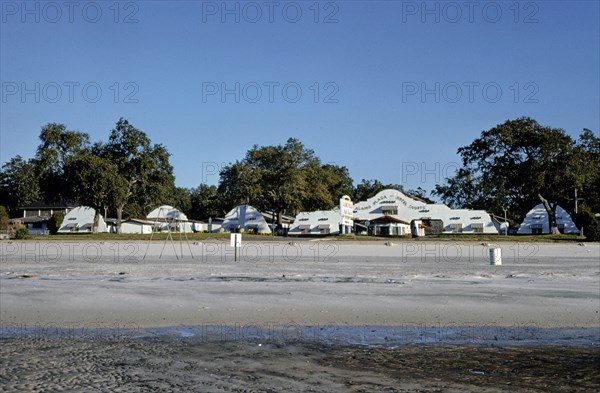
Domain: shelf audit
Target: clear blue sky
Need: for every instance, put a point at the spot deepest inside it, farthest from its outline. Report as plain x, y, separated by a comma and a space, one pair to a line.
371, 65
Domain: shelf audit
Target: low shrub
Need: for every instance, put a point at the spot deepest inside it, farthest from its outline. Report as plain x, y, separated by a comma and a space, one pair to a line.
21, 233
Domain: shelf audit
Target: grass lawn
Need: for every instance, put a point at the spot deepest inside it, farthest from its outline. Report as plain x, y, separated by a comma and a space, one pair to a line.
225, 236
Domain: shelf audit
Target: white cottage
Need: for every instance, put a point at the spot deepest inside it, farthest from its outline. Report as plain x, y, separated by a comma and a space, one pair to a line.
321, 222
134, 226
244, 217
536, 222
167, 218
81, 219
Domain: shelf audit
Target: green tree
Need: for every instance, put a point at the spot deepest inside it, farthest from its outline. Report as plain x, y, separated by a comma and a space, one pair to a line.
586, 169
338, 180
143, 173
421, 194
180, 198
280, 170
586, 221
328, 183
283, 178
19, 184
55, 222
206, 203
57, 148
93, 182
368, 188
238, 183
516, 164
462, 191
4, 217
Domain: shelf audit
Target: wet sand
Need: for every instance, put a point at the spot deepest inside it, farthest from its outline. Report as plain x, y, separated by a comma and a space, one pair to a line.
102, 316
234, 366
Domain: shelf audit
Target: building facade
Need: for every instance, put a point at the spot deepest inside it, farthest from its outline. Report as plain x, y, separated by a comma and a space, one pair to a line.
244, 217
402, 210
43, 209
81, 219
536, 222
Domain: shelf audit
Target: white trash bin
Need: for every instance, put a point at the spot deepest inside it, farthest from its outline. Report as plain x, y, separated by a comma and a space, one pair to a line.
495, 256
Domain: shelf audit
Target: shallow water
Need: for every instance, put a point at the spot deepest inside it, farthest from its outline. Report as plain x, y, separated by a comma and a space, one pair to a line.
281, 334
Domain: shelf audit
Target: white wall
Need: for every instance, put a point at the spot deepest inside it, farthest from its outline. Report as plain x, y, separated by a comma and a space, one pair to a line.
539, 216
82, 217
203, 226
134, 227
408, 209
315, 219
411, 209
246, 217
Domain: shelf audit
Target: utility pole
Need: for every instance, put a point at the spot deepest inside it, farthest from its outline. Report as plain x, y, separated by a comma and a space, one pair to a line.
505, 222
576, 201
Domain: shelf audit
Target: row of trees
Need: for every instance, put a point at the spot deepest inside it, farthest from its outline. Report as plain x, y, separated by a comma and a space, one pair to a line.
521, 163
280, 179
127, 174
514, 165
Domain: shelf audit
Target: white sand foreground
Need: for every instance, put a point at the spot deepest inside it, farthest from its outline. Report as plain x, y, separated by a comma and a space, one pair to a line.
71, 283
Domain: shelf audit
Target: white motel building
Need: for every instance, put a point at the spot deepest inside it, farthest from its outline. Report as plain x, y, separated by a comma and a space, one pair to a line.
393, 213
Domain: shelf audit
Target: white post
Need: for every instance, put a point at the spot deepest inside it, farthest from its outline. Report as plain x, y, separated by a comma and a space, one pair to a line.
235, 242
495, 255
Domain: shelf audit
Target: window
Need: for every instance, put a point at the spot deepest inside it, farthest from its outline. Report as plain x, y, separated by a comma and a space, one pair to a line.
456, 228
561, 228
477, 228
433, 227
324, 231
536, 229
304, 229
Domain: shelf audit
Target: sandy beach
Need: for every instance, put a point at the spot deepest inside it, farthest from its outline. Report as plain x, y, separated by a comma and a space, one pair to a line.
299, 316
